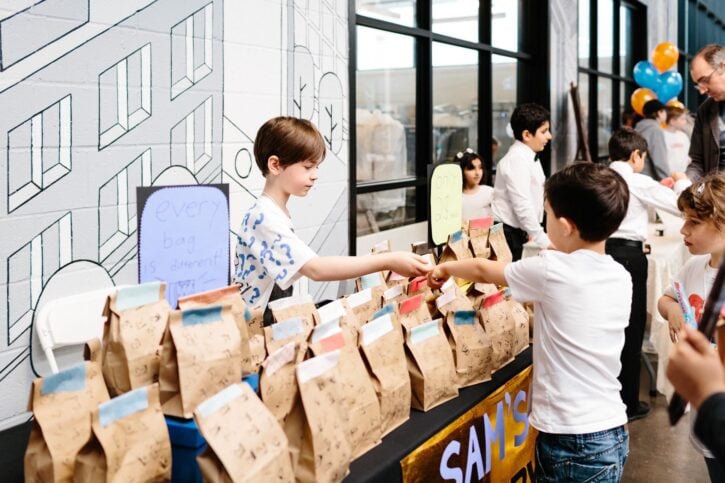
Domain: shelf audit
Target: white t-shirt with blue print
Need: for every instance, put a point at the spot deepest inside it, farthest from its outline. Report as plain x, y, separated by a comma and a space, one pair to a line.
268, 252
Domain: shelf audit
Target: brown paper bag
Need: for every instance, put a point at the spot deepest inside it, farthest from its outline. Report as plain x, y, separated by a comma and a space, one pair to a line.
431, 366
136, 319
456, 248
227, 295
255, 320
497, 241
472, 349
252, 449
280, 393
294, 329
479, 291
130, 441
301, 306
478, 233
451, 301
382, 347
62, 404
520, 317
363, 305
360, 402
326, 453
413, 312
496, 319
201, 356
338, 310
394, 294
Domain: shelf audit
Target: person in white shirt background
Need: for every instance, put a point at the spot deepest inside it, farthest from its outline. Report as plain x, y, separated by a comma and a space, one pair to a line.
628, 153
518, 192
677, 141
476, 196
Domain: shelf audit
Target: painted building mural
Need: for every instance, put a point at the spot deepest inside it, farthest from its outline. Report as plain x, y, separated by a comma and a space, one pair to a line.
100, 97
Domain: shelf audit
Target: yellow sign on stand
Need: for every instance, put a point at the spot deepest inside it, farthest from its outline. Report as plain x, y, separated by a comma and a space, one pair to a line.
446, 197
492, 441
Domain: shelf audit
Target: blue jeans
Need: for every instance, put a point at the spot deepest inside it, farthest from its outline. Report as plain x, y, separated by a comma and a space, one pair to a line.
579, 458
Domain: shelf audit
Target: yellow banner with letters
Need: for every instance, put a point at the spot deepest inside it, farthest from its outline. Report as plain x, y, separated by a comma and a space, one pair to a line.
490, 442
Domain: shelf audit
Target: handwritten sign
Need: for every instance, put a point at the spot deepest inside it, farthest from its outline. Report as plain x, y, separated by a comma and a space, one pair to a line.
445, 201
184, 238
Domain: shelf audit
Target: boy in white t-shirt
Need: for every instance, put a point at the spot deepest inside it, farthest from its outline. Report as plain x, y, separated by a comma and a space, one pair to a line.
270, 256
581, 307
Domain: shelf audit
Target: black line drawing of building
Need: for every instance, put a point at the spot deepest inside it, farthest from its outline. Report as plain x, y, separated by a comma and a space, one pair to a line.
139, 93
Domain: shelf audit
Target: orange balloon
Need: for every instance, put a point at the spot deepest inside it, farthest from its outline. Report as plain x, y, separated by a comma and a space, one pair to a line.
675, 103
664, 56
640, 97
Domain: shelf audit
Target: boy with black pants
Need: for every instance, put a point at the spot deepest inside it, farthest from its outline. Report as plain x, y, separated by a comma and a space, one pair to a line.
627, 152
518, 191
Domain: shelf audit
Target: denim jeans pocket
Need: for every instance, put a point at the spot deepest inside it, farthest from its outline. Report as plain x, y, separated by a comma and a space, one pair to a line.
583, 473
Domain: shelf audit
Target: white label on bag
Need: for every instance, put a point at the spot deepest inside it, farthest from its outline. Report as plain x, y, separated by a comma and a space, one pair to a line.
376, 328
359, 298
287, 302
330, 311
287, 328
279, 358
393, 292
317, 366
448, 285
219, 400
446, 298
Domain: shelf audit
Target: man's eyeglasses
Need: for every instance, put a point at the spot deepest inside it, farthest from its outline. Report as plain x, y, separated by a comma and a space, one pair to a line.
704, 81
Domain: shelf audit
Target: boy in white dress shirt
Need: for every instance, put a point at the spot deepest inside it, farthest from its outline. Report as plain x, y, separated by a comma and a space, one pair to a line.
627, 152
518, 191
270, 256
581, 302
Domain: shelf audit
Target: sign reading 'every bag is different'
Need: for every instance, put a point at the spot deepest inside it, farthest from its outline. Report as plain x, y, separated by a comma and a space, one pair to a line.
184, 237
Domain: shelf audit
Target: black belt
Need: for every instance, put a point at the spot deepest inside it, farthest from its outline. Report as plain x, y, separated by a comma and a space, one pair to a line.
623, 242
516, 231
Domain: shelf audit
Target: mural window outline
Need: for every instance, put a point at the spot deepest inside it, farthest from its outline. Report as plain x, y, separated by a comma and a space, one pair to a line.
39, 152
191, 50
119, 192
193, 136
124, 96
39, 261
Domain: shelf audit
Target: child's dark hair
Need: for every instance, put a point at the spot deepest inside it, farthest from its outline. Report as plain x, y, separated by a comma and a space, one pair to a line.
624, 142
292, 140
466, 159
528, 117
705, 199
593, 196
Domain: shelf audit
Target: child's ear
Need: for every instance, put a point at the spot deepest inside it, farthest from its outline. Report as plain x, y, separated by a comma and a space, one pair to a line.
526, 135
273, 165
568, 227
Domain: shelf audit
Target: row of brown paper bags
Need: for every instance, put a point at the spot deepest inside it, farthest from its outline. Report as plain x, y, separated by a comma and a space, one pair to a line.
80, 435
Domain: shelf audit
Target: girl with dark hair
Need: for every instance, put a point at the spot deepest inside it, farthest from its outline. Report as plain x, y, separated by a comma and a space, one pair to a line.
476, 196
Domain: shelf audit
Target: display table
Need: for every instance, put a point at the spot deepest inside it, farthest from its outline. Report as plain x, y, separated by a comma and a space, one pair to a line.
668, 255
382, 463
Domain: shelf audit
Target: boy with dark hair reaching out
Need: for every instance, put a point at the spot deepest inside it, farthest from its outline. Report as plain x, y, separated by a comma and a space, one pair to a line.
581, 302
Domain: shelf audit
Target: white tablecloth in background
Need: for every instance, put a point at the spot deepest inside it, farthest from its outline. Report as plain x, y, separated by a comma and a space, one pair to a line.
667, 257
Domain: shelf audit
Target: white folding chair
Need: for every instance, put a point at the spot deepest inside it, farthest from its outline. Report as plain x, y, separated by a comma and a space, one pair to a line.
70, 321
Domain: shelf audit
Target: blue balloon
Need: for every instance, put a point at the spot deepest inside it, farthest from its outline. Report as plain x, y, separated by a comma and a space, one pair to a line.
646, 75
671, 86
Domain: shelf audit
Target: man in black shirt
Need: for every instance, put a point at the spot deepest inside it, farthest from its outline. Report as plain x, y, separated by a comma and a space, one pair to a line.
707, 148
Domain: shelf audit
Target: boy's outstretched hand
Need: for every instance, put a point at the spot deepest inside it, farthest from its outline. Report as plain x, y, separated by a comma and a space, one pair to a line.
408, 264
695, 368
436, 277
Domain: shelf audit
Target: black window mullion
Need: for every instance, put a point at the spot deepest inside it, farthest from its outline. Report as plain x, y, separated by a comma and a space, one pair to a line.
352, 153
423, 109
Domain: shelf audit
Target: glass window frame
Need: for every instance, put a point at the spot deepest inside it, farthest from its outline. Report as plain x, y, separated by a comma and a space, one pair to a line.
532, 86
620, 83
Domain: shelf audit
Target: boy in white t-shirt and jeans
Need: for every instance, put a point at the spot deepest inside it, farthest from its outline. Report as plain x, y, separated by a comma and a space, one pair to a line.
270, 256
581, 302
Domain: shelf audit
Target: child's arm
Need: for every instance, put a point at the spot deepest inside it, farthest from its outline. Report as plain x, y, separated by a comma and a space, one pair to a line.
670, 310
322, 269
475, 270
